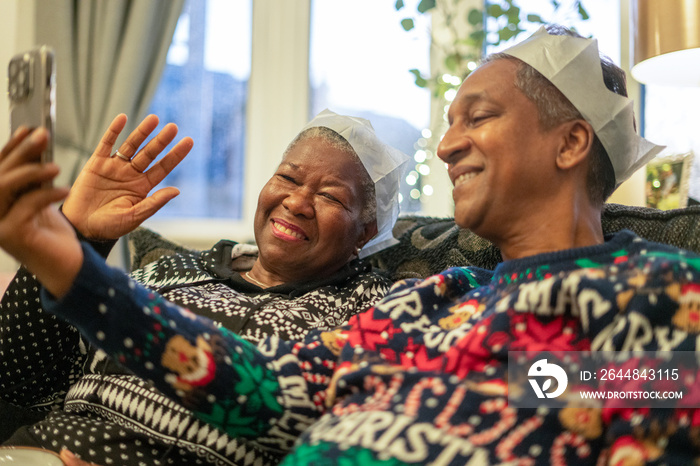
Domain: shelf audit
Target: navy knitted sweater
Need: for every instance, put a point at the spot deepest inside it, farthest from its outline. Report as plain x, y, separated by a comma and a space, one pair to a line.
420, 378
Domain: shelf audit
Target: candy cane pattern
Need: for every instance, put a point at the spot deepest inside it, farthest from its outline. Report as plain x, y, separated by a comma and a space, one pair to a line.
299, 346
319, 399
504, 449
381, 399
413, 398
568, 439
443, 419
508, 419
339, 410
316, 378
305, 365
329, 364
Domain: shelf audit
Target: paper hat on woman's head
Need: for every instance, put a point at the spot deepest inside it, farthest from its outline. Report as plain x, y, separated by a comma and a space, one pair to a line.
384, 164
572, 64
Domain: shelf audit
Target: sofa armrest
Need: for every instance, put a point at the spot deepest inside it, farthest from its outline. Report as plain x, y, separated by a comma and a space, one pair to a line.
146, 246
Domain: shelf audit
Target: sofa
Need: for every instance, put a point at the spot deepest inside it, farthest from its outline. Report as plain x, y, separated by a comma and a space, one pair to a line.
428, 245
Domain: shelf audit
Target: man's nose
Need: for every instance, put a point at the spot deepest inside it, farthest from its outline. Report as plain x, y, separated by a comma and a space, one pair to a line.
454, 144
300, 202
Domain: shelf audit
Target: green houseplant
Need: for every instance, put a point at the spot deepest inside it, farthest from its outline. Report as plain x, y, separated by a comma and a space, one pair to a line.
460, 35
467, 32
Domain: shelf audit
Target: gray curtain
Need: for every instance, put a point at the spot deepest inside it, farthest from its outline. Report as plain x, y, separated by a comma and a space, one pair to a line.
109, 58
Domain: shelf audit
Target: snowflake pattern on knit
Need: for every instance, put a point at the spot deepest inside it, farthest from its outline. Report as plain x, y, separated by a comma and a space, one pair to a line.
44, 361
403, 383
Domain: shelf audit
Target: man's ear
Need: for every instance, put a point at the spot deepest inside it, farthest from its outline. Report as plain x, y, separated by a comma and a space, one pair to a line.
368, 232
577, 140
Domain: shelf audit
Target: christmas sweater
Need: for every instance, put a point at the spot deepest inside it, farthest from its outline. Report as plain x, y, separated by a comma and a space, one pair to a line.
46, 365
420, 378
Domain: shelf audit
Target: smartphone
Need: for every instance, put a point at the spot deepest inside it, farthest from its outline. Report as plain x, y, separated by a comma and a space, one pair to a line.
31, 90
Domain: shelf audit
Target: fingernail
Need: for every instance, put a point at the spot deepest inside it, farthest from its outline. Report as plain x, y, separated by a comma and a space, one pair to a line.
38, 135
19, 130
67, 454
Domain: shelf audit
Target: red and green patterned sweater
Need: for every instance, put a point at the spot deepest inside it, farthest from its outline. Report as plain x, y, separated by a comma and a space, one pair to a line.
420, 378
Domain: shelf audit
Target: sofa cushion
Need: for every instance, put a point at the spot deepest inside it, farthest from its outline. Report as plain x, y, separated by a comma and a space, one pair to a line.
146, 246
428, 245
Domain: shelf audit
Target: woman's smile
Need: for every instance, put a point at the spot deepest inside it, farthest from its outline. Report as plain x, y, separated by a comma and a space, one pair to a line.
287, 231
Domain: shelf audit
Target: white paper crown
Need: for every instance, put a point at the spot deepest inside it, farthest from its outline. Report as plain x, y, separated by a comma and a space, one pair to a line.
572, 64
384, 164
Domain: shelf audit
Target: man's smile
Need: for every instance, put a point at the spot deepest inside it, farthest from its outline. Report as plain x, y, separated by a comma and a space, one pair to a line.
461, 179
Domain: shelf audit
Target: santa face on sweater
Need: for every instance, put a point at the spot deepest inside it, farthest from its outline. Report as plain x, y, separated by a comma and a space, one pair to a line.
687, 317
193, 365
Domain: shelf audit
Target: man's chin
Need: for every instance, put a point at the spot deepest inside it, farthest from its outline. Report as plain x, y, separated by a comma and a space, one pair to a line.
464, 218
472, 222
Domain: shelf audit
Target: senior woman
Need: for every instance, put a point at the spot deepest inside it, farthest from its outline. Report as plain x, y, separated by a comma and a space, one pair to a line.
332, 198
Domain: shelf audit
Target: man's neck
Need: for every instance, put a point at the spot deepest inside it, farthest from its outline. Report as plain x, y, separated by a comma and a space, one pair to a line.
559, 230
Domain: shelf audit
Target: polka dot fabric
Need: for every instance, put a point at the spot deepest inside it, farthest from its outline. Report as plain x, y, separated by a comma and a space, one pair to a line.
40, 354
46, 366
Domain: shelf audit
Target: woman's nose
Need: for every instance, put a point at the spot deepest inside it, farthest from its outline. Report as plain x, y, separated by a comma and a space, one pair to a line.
454, 144
299, 202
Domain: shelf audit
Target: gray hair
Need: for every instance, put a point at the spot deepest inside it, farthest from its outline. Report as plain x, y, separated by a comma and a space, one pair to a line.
335, 140
554, 108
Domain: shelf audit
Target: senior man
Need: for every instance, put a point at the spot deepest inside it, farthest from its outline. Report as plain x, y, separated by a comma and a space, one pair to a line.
536, 143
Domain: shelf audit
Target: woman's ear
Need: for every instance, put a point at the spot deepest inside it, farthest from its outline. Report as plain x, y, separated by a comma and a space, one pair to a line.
368, 232
577, 140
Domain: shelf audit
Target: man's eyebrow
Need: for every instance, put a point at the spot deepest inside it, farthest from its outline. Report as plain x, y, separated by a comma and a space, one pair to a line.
291, 165
475, 97
471, 98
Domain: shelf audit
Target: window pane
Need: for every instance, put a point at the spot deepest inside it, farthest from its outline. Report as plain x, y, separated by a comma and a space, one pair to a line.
359, 61
204, 91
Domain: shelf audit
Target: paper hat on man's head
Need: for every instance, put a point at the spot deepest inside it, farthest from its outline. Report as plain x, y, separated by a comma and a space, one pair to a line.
572, 64
384, 164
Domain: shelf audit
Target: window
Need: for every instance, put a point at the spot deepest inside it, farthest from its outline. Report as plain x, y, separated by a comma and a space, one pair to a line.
244, 99
204, 91
359, 62
207, 89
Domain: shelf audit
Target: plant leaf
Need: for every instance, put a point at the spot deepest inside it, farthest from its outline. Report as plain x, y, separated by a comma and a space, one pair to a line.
452, 62
475, 17
513, 15
535, 19
508, 33
425, 5
478, 37
494, 11
407, 24
399, 5
420, 80
582, 12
